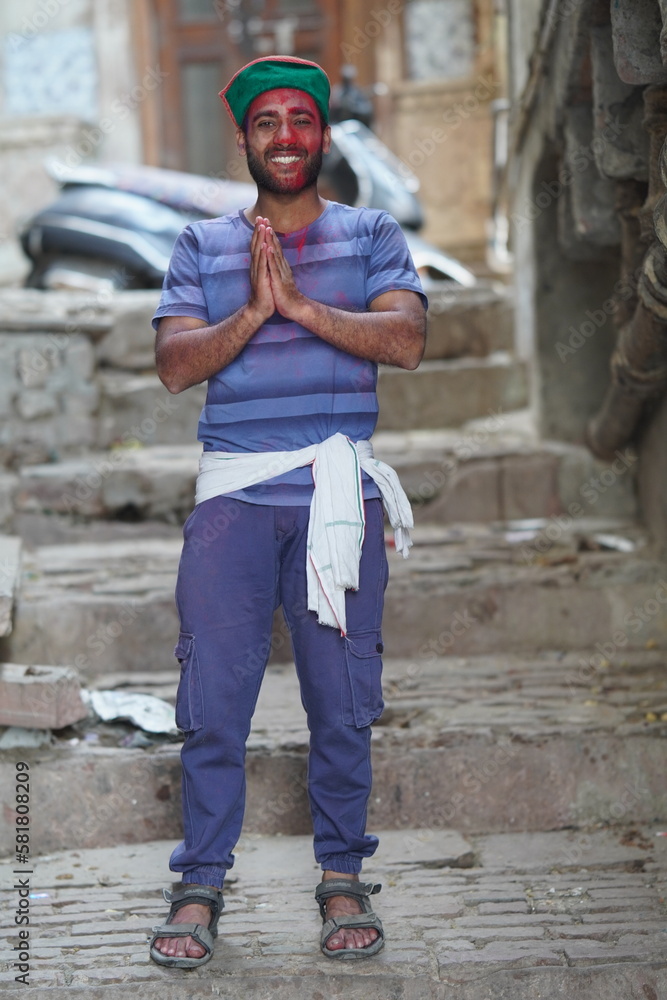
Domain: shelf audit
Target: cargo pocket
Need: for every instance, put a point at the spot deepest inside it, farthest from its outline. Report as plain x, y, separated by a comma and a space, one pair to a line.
189, 701
362, 680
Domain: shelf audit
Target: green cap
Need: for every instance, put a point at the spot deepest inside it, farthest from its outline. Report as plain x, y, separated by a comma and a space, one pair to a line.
272, 73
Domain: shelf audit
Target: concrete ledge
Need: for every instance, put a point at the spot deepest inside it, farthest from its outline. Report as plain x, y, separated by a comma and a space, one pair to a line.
484, 472
103, 796
454, 602
471, 322
109, 606
156, 482
448, 393
483, 744
137, 407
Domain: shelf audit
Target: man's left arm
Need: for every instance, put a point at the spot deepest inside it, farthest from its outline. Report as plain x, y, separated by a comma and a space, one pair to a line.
392, 332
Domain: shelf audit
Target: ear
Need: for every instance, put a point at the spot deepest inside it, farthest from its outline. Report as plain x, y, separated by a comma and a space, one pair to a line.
240, 142
326, 139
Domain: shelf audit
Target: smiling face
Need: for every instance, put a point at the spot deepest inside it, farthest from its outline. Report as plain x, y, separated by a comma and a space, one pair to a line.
284, 141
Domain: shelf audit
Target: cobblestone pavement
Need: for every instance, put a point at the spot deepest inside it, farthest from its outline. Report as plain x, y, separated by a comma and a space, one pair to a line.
534, 914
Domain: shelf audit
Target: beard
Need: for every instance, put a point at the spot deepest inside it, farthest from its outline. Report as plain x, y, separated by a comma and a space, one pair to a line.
263, 177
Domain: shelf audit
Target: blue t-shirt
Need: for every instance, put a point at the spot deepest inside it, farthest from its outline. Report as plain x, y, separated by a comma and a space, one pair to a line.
288, 388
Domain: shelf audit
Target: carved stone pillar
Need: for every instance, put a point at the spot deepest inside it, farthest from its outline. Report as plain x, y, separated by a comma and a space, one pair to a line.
639, 361
637, 27
630, 197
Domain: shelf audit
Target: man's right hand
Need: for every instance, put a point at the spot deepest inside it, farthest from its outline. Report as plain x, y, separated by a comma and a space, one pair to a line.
261, 296
188, 350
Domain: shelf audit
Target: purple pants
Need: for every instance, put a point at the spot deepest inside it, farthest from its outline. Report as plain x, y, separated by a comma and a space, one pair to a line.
239, 562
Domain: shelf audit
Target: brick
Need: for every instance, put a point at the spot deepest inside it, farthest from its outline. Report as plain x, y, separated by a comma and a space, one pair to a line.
603, 931
504, 920
525, 933
39, 697
619, 902
515, 954
489, 908
583, 951
614, 892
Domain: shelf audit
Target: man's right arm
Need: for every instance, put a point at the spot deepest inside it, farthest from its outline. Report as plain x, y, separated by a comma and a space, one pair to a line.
188, 350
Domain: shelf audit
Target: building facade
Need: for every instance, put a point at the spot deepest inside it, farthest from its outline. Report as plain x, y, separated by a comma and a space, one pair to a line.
137, 81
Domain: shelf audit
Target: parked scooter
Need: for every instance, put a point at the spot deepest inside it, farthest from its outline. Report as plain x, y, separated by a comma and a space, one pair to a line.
115, 226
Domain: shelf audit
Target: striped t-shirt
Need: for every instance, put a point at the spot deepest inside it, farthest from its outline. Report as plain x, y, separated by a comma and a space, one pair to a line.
288, 388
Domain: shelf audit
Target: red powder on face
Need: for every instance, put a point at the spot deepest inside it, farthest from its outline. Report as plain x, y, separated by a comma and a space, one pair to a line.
283, 123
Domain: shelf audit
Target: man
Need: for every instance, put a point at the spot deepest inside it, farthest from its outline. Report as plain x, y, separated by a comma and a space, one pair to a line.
286, 308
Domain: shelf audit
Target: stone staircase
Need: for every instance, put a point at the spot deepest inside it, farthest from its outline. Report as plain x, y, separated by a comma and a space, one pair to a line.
519, 765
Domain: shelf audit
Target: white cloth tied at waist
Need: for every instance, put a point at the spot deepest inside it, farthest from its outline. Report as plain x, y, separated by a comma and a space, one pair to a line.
337, 522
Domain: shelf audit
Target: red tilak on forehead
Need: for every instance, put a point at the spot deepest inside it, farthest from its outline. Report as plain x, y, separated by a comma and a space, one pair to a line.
272, 102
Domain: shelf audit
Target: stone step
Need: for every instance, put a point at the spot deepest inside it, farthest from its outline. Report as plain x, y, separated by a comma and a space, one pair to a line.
474, 322
495, 469
481, 591
441, 393
136, 407
449, 393
79, 372
568, 914
144, 483
107, 606
471, 322
491, 470
499, 743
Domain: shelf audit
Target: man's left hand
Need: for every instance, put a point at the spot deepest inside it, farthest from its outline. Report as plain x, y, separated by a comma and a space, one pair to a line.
287, 297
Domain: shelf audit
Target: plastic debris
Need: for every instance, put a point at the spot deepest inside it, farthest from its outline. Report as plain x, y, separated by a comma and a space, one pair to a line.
615, 542
16, 736
152, 714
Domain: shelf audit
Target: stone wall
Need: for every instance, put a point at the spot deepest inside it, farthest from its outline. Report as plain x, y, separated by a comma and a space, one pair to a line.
77, 374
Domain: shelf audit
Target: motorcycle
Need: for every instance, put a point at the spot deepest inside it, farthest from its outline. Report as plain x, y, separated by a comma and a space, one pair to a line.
115, 226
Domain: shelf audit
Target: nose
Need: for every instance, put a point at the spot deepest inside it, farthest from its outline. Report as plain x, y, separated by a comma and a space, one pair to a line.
284, 134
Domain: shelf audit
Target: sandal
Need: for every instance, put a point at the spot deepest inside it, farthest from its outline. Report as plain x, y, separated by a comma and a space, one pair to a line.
359, 891
202, 935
